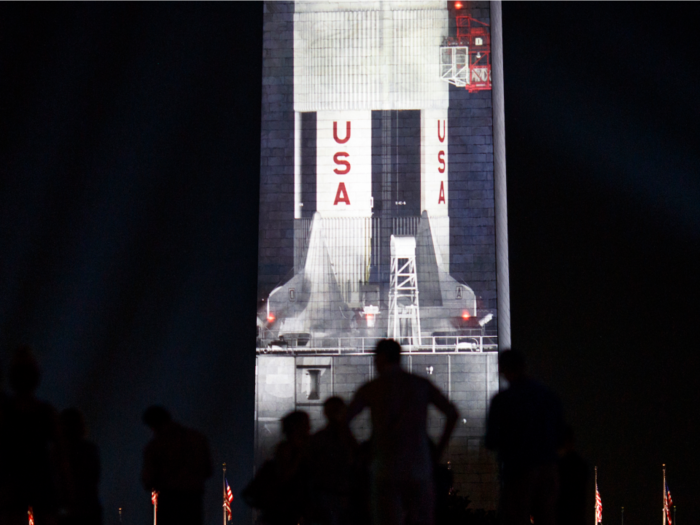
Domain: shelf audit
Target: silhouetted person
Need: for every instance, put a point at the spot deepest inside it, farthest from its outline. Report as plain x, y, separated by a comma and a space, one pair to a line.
573, 478
83, 471
280, 489
29, 450
525, 428
402, 462
291, 468
360, 489
176, 463
333, 455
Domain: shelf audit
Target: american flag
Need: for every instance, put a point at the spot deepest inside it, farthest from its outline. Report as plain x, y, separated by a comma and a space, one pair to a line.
598, 505
668, 503
154, 498
228, 499
30, 513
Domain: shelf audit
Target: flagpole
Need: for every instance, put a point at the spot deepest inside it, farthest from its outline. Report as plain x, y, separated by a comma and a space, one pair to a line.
622, 516
223, 486
674, 514
120, 516
595, 500
663, 509
154, 500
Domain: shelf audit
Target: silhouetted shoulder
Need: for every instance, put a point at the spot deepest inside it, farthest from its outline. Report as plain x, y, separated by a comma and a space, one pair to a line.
196, 437
32, 417
527, 389
416, 379
368, 387
201, 443
365, 394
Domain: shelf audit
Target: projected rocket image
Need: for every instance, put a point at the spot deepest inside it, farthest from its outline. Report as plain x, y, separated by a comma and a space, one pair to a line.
378, 214
373, 243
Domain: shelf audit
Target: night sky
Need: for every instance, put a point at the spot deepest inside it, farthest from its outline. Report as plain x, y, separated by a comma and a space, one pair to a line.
129, 156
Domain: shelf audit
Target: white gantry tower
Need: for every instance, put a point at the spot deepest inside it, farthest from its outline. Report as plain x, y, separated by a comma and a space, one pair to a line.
404, 311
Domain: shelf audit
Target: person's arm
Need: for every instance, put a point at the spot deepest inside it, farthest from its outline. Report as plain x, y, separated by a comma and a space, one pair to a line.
358, 404
492, 439
443, 404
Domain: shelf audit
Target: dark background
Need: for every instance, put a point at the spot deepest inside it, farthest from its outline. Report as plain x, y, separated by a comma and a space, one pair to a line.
129, 158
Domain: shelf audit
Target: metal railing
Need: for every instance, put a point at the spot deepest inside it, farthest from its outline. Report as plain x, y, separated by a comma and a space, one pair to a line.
365, 345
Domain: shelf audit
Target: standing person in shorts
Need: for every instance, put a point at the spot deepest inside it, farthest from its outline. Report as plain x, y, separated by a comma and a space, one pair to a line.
402, 462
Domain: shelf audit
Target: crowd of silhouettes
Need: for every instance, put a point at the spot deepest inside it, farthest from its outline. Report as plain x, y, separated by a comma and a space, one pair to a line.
46, 462
396, 476
50, 471
327, 478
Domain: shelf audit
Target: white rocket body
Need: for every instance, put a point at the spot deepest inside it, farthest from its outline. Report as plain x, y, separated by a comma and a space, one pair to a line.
351, 58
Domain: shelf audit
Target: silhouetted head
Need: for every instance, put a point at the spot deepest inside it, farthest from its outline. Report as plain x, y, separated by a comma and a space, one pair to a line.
24, 373
72, 423
387, 355
335, 410
156, 417
296, 427
511, 364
